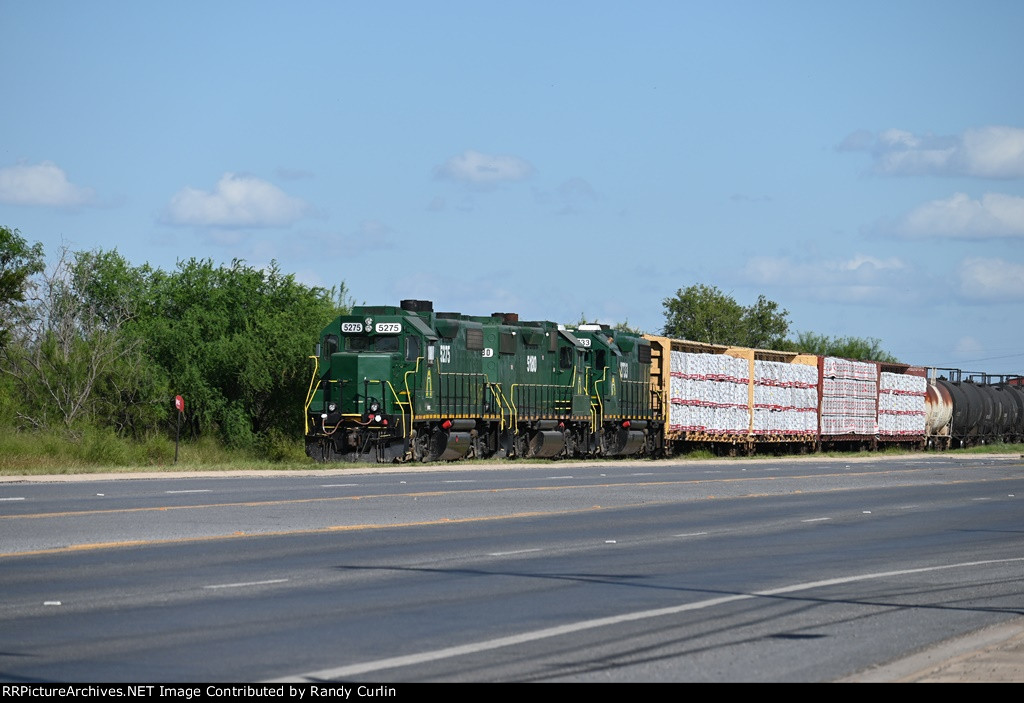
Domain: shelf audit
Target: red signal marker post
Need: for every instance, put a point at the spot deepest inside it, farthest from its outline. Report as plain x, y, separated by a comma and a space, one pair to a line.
179, 405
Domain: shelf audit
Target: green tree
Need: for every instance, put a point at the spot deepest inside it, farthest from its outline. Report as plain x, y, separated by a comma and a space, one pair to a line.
343, 299
235, 341
862, 348
19, 261
765, 324
705, 314
72, 363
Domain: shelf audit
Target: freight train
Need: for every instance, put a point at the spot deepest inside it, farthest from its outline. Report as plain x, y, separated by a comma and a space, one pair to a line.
407, 383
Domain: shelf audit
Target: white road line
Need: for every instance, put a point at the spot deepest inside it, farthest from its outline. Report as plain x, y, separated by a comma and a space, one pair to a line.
518, 551
981, 499
552, 478
19, 498
817, 519
249, 583
549, 632
197, 490
691, 534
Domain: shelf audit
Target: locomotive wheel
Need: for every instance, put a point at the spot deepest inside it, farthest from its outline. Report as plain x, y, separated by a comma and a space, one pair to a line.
421, 445
321, 451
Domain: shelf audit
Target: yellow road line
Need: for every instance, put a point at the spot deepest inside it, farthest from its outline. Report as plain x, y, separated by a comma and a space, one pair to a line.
290, 533
423, 494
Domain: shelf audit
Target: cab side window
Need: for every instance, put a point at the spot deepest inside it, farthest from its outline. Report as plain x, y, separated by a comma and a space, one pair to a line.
412, 348
565, 357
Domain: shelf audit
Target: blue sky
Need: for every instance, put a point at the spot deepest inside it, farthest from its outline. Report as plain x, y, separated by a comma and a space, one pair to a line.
860, 163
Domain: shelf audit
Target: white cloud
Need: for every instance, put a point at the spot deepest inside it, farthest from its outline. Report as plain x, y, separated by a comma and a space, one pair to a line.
484, 169
983, 152
993, 152
236, 201
41, 184
858, 279
991, 280
967, 347
869, 264
961, 217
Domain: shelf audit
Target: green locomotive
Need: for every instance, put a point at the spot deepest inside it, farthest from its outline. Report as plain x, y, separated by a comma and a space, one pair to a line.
399, 383
626, 411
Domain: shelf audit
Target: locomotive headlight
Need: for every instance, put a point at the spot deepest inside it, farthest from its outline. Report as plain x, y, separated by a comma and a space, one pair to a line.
374, 407
331, 407
376, 418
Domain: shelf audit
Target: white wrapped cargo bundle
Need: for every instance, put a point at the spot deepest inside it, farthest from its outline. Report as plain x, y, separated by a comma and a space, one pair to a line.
849, 397
705, 418
709, 393
889, 424
901, 404
785, 398
780, 397
894, 423
844, 368
848, 388
695, 391
777, 373
715, 367
903, 384
844, 424
856, 407
792, 421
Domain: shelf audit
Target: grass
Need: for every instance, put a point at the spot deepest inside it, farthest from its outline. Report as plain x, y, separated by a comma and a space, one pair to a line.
94, 450
997, 448
98, 450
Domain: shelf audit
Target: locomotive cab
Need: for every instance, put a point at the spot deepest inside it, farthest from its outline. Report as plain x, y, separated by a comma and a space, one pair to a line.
622, 405
358, 407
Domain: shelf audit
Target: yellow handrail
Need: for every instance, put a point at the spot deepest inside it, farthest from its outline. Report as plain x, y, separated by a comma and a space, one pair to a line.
502, 402
408, 394
398, 402
309, 393
599, 417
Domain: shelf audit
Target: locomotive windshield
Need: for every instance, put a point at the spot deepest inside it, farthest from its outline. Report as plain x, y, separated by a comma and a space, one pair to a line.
358, 343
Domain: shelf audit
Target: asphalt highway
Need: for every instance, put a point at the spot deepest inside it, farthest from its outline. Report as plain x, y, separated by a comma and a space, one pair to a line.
793, 570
